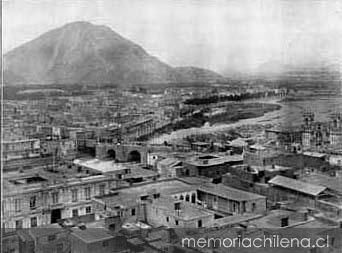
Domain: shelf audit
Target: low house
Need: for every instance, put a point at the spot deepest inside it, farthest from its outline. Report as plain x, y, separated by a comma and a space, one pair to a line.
174, 213
284, 188
170, 167
230, 200
44, 239
99, 240
210, 165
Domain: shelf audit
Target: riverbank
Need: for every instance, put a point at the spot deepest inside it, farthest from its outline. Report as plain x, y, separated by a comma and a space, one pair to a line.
234, 112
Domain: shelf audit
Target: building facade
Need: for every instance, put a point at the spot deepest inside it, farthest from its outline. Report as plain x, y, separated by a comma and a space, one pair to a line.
36, 200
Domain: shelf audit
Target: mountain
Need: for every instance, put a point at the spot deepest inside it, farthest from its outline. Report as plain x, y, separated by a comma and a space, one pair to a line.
81, 52
197, 75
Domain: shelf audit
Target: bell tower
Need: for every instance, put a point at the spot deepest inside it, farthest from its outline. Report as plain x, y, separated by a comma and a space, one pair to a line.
309, 118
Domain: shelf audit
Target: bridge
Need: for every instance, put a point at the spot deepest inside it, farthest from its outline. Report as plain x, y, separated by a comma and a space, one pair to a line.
133, 152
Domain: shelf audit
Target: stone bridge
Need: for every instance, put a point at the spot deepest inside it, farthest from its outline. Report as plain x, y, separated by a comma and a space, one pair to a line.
123, 152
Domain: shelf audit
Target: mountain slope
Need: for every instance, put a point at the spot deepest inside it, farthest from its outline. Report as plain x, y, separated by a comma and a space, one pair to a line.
84, 53
197, 75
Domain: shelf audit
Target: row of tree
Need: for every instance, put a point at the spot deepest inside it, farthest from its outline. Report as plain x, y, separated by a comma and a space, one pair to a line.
233, 97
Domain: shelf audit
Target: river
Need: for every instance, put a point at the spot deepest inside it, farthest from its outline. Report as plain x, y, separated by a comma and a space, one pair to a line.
290, 114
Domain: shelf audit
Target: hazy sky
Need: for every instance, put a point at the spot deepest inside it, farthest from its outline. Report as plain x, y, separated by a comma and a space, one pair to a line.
222, 35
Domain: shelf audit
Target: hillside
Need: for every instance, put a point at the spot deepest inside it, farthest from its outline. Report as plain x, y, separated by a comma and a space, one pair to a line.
81, 52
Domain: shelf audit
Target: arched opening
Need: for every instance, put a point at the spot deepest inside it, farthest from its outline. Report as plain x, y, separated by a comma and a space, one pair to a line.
193, 198
187, 198
134, 156
111, 154
181, 197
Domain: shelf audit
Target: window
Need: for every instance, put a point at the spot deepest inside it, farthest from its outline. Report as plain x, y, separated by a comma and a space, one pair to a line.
18, 224
145, 197
51, 238
102, 189
55, 198
33, 203
253, 207
74, 195
133, 211
176, 222
17, 204
88, 209
87, 193
167, 219
75, 213
33, 222
105, 244
199, 223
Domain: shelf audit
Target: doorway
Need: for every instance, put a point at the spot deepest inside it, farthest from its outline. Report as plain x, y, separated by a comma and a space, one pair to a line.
56, 215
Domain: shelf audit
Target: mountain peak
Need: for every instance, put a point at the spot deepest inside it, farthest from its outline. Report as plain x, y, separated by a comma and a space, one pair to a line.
81, 52
79, 23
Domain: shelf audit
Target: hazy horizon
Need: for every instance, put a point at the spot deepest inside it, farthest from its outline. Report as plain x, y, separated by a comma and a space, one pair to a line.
224, 36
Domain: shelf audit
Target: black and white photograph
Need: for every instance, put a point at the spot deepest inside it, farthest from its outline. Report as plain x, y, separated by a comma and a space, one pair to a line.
171, 126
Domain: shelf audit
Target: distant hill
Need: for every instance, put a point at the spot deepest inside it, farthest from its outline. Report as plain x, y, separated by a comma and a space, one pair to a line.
81, 52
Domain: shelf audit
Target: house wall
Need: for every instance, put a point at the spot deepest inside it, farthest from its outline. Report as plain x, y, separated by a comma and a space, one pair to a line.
208, 171
231, 206
158, 216
103, 246
44, 202
21, 149
276, 194
77, 245
61, 241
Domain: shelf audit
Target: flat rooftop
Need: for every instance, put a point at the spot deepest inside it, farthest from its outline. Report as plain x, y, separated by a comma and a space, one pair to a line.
273, 219
314, 154
91, 235
211, 160
35, 179
187, 211
138, 172
165, 187
271, 168
101, 166
229, 192
121, 200
107, 167
51, 229
233, 219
